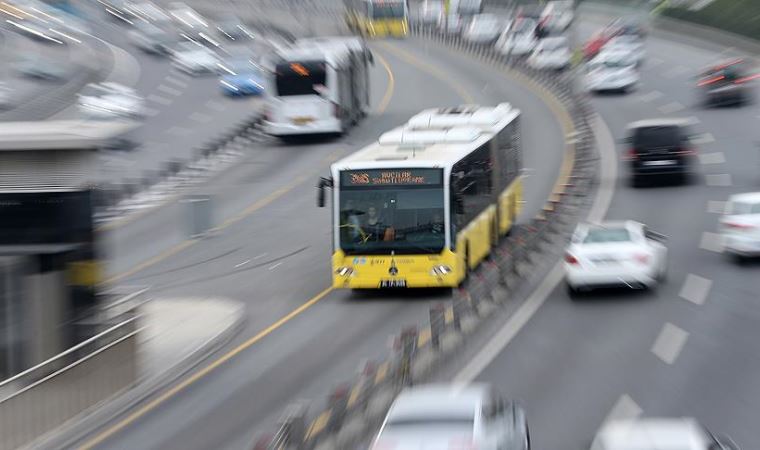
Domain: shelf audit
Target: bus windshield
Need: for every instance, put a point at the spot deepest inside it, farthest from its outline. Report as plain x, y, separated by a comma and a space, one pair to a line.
390, 10
300, 78
395, 217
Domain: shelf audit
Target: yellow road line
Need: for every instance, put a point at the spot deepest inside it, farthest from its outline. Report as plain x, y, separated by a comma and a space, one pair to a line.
382, 372
354, 396
318, 425
424, 337
154, 260
431, 69
449, 314
381, 107
99, 438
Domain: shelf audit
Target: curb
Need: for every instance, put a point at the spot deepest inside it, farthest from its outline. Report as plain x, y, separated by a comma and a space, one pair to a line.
78, 429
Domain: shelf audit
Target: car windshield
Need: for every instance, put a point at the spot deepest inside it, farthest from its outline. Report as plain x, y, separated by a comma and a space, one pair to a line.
658, 136
602, 235
745, 208
397, 217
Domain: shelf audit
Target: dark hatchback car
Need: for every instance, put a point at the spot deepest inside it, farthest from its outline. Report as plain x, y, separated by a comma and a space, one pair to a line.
659, 148
727, 83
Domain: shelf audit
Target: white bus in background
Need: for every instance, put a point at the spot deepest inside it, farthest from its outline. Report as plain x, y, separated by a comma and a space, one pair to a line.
320, 86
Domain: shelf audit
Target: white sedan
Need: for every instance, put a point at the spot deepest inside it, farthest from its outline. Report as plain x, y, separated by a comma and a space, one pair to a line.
483, 29
611, 72
442, 416
740, 225
659, 433
609, 254
630, 45
551, 53
110, 101
195, 59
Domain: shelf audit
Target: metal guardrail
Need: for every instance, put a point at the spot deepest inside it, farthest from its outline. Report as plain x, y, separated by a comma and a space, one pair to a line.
355, 409
50, 393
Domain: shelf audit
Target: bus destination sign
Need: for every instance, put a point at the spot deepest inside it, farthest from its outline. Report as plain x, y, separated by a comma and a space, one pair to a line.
391, 177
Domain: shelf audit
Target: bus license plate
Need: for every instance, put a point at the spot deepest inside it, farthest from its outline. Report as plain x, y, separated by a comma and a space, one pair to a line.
302, 120
393, 283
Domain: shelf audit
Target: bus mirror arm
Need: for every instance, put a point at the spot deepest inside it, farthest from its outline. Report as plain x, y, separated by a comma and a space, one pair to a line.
323, 183
458, 203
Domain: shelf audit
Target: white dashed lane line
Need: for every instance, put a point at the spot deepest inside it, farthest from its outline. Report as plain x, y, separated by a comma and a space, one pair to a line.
624, 409
201, 118
712, 158
671, 108
242, 263
669, 343
695, 289
275, 266
651, 96
160, 100
175, 81
718, 180
705, 138
168, 90
716, 206
711, 241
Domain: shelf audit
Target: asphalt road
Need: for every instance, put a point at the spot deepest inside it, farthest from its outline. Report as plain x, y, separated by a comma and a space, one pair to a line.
275, 258
687, 348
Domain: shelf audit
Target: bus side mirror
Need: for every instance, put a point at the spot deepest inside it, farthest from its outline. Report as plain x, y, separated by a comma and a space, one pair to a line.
458, 203
370, 57
323, 183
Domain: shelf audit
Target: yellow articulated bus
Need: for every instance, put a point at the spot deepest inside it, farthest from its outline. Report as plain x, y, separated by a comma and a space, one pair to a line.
377, 18
427, 202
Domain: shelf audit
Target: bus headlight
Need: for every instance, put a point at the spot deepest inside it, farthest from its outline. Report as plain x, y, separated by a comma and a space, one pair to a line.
345, 271
440, 270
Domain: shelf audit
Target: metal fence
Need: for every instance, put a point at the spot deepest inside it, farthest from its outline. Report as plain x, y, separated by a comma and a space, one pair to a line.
355, 409
45, 396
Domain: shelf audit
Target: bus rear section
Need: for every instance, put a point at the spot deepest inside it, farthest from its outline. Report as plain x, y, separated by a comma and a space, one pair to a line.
304, 101
388, 19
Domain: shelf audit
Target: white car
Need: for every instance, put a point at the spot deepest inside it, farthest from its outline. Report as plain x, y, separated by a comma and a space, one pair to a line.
483, 29
611, 72
558, 15
610, 254
446, 417
740, 225
110, 101
551, 53
522, 38
195, 59
661, 434
628, 44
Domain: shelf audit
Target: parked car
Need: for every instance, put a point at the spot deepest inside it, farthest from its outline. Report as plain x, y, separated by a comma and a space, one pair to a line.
520, 39
631, 46
195, 59
551, 53
439, 416
659, 433
615, 254
232, 28
659, 148
110, 101
241, 76
483, 29
152, 39
740, 226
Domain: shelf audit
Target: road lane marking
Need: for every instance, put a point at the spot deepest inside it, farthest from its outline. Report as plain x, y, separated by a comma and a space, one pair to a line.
275, 266
652, 96
150, 262
168, 90
671, 108
514, 324
625, 408
130, 419
242, 263
260, 256
716, 206
718, 180
201, 118
712, 158
712, 242
704, 138
391, 84
160, 100
695, 289
669, 343
175, 81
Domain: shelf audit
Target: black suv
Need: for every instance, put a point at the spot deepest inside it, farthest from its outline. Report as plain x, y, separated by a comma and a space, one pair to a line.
659, 147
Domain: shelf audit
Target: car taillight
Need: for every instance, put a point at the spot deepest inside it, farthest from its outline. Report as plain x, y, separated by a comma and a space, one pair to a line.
641, 258
738, 226
570, 259
745, 79
711, 80
686, 152
631, 155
